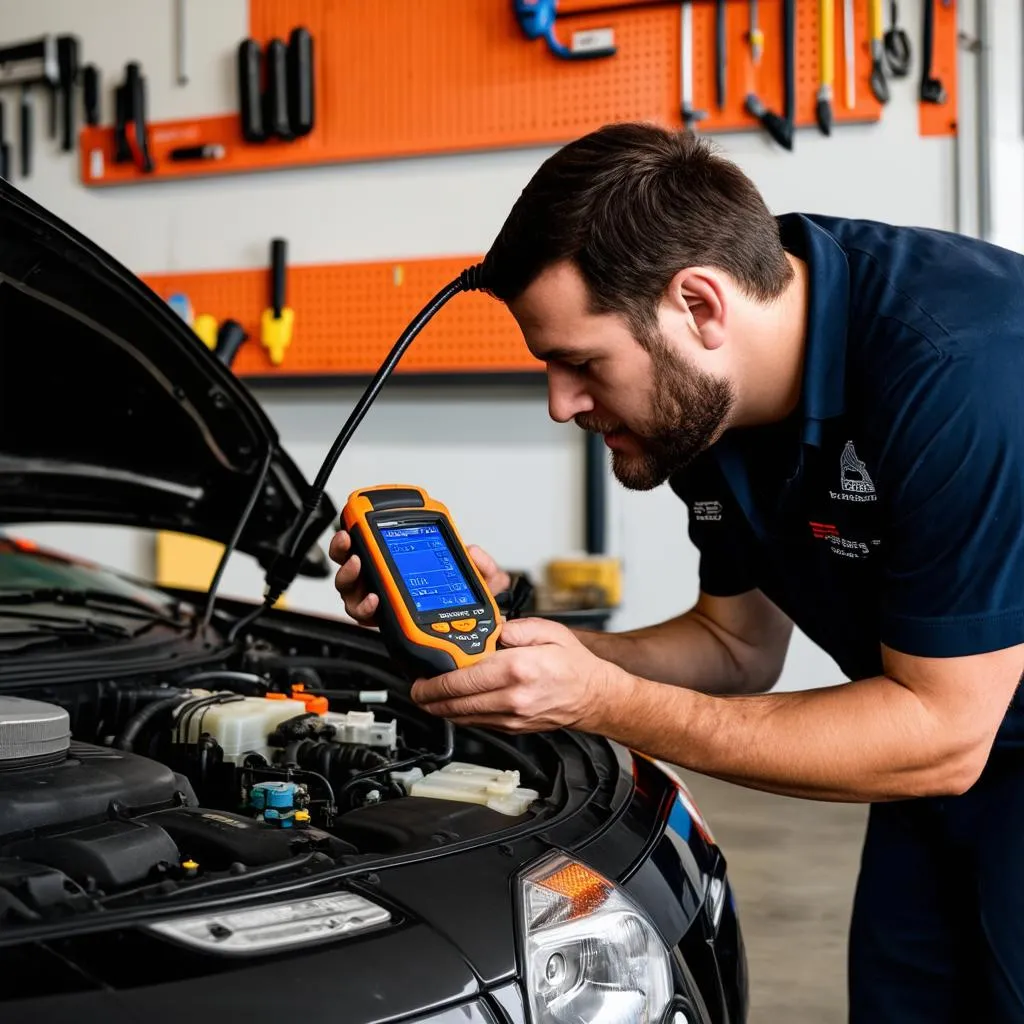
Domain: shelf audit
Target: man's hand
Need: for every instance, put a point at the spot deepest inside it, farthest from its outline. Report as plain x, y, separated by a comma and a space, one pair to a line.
362, 605
541, 678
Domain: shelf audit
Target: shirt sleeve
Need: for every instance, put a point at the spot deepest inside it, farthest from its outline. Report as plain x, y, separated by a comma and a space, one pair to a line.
717, 528
952, 475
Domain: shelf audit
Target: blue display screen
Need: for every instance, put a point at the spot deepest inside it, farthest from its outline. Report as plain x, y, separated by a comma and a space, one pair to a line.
427, 567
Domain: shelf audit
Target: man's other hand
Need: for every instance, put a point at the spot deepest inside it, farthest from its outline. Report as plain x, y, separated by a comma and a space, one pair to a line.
362, 605
541, 678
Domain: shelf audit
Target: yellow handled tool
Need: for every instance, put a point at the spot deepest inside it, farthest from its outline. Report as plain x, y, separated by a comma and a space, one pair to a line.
879, 83
826, 54
205, 325
276, 322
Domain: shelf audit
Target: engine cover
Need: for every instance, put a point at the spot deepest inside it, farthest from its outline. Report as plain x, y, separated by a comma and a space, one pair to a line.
81, 786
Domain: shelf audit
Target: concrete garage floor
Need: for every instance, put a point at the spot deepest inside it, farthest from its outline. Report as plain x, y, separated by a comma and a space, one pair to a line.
793, 865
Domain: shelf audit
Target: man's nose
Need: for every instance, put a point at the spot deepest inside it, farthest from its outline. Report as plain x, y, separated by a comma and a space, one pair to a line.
566, 396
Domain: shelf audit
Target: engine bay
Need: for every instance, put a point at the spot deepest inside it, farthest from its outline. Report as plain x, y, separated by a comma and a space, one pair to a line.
127, 792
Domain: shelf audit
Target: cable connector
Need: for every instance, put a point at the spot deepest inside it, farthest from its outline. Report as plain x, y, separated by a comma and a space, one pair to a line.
473, 279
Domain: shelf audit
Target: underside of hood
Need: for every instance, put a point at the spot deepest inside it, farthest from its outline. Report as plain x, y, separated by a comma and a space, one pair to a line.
112, 410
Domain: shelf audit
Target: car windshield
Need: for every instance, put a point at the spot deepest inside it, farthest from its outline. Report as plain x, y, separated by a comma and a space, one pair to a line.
25, 568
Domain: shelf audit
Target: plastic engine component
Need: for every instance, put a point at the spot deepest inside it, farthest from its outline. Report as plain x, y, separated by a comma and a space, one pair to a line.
362, 727
113, 854
476, 784
413, 825
31, 731
239, 726
219, 839
84, 786
280, 803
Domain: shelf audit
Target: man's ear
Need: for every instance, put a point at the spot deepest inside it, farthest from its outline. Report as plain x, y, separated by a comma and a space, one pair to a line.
699, 292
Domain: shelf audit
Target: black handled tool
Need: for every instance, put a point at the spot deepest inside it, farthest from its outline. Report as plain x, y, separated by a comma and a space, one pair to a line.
26, 131
206, 151
131, 134
91, 93
5, 149
67, 63
230, 336
301, 107
249, 92
897, 44
932, 90
780, 128
720, 53
275, 109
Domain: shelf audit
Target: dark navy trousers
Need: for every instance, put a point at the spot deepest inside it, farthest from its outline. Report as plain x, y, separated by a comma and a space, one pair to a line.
937, 933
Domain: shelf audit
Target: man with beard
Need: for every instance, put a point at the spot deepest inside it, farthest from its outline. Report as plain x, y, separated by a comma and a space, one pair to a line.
838, 403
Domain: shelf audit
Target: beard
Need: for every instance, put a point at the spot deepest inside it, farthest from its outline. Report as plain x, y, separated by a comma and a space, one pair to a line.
688, 412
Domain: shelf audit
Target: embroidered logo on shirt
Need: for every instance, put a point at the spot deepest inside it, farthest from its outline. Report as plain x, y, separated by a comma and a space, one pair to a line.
707, 511
854, 480
840, 545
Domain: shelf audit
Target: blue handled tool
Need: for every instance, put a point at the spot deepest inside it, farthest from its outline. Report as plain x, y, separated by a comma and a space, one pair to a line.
537, 20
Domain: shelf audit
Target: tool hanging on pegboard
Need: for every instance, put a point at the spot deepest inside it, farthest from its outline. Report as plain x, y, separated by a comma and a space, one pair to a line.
536, 20
276, 88
50, 62
781, 127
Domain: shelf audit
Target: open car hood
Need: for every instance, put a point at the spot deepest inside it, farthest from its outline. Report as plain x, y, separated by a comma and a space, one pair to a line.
112, 410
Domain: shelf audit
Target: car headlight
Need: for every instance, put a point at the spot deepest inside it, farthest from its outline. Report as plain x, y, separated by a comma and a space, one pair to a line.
589, 954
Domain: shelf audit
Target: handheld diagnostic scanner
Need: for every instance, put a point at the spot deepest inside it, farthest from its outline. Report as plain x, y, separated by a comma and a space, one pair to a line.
435, 613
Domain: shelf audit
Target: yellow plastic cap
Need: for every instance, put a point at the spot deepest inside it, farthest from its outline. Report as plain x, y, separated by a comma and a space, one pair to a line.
302, 815
190, 865
276, 333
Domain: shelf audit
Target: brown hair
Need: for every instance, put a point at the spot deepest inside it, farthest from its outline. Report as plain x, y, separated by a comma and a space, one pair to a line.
630, 205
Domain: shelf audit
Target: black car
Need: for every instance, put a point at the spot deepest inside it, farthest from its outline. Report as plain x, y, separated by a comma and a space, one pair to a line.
200, 821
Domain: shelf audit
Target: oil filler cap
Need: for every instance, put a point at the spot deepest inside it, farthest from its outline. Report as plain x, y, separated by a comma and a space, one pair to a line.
31, 731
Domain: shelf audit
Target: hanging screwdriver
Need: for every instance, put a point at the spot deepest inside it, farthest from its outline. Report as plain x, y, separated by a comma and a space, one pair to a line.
720, 53
755, 35
26, 132
826, 53
849, 53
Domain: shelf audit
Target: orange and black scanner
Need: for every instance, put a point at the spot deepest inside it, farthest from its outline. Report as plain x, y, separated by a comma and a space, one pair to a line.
435, 612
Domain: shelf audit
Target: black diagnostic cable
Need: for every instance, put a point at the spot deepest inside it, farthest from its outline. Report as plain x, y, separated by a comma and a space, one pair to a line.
285, 566
232, 543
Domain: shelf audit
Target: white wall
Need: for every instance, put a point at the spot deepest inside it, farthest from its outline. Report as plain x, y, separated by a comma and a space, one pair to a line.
435, 206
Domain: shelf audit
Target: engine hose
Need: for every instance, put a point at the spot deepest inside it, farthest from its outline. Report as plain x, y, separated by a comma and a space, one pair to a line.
142, 717
226, 677
331, 758
336, 761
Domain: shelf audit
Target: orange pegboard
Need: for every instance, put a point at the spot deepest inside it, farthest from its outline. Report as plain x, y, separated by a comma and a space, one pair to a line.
941, 118
397, 78
347, 317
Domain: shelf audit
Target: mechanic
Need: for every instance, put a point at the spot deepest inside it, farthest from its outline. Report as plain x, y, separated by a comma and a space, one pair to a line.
840, 405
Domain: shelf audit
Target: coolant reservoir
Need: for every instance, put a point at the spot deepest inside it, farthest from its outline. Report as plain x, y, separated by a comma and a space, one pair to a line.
239, 726
475, 784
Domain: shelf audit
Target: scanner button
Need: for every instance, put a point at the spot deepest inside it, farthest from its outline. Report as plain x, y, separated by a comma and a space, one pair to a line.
464, 625
440, 627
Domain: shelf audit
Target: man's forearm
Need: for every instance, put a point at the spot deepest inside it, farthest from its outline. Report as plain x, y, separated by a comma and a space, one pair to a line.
870, 740
681, 651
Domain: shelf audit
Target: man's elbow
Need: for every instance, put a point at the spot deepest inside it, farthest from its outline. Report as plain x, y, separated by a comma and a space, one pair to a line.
966, 771
958, 770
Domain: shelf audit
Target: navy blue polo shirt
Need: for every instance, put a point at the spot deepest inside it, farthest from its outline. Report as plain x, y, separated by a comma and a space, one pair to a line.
889, 508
